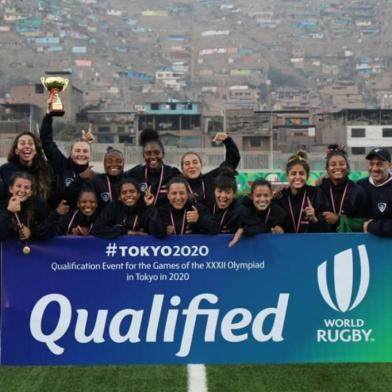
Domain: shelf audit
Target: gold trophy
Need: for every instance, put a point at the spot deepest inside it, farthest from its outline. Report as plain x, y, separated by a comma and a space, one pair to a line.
55, 84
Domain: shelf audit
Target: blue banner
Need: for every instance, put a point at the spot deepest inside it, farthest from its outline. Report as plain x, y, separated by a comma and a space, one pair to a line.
192, 299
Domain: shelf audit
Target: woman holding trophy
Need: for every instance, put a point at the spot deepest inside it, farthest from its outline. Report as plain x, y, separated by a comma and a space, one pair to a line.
69, 169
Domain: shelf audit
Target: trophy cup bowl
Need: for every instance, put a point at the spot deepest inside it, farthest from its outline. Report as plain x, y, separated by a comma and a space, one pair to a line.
55, 84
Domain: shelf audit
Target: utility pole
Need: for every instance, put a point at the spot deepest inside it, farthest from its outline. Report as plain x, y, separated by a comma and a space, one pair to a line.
271, 147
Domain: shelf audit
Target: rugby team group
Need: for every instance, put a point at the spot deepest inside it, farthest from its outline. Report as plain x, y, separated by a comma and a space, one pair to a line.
45, 193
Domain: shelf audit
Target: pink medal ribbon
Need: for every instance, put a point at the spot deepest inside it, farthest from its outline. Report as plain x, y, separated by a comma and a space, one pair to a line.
159, 186
297, 225
174, 225
341, 201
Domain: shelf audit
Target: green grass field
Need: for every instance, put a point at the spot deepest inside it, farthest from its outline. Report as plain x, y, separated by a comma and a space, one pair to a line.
222, 378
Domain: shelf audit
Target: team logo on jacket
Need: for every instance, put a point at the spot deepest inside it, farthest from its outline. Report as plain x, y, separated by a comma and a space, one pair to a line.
343, 278
105, 196
143, 186
68, 181
382, 206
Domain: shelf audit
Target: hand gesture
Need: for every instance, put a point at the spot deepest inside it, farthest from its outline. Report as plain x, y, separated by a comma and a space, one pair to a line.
88, 135
87, 174
220, 137
330, 217
52, 98
63, 207
14, 204
148, 197
133, 232
75, 231
310, 213
278, 192
24, 233
365, 226
170, 230
83, 230
277, 230
237, 237
192, 216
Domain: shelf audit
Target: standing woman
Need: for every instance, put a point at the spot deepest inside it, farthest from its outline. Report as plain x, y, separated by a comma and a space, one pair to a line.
347, 199
26, 155
69, 169
154, 174
304, 204
202, 185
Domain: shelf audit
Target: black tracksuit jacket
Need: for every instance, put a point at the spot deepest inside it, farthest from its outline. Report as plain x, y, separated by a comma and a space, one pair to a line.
319, 203
203, 186
256, 222
152, 179
116, 219
379, 206
64, 169
41, 222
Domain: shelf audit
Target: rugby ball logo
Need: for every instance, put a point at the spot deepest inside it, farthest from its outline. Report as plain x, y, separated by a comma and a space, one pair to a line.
343, 278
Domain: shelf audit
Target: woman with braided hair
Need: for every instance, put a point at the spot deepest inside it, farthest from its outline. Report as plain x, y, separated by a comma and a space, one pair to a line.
347, 200
304, 204
154, 174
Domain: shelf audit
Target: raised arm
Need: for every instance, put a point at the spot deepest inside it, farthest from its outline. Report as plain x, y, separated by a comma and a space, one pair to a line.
52, 152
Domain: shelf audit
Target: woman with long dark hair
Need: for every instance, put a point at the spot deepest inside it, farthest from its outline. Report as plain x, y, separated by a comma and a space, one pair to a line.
26, 155
24, 215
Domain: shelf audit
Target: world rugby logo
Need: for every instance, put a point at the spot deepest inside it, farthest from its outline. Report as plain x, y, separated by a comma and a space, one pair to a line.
343, 278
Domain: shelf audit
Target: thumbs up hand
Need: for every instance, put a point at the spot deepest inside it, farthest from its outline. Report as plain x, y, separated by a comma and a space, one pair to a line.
193, 215
63, 207
310, 212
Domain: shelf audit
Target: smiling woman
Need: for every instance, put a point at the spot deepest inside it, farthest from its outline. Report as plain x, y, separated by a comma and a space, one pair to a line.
66, 170
181, 215
154, 174
128, 214
106, 184
26, 155
81, 220
201, 185
304, 204
25, 215
347, 199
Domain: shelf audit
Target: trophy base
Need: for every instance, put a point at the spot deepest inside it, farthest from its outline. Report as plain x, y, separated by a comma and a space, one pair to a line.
57, 113
56, 109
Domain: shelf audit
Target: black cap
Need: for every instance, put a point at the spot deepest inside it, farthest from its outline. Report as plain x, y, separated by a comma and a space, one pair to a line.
381, 153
